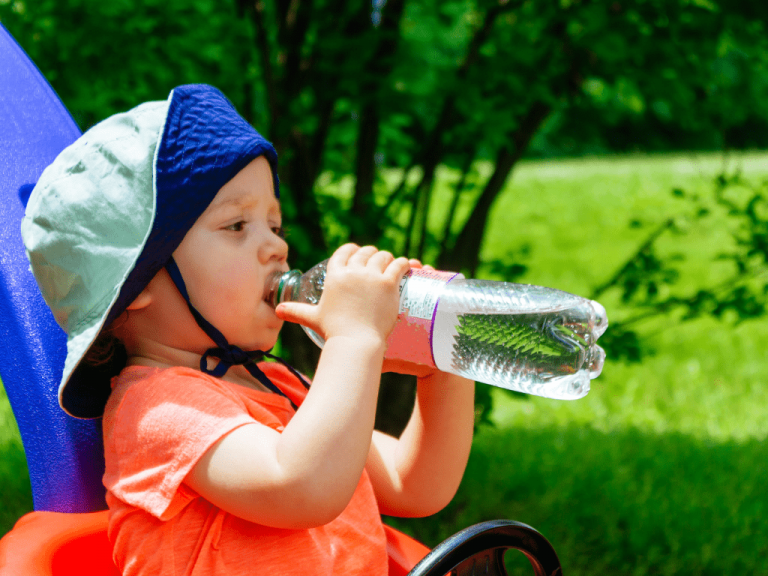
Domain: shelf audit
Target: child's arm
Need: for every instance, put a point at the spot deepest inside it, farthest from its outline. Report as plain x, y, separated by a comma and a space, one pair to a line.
419, 473
306, 475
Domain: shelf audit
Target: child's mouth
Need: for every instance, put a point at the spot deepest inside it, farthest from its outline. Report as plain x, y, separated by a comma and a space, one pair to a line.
271, 293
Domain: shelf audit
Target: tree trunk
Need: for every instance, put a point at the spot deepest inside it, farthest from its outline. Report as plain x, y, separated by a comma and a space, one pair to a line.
432, 151
365, 163
300, 173
396, 399
447, 225
378, 71
424, 217
465, 255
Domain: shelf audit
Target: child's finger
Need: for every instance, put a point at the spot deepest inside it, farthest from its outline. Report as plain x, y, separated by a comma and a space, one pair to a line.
416, 264
362, 256
381, 260
298, 313
342, 255
398, 268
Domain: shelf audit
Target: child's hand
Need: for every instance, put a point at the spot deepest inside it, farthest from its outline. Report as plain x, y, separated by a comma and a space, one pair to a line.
360, 297
403, 366
409, 368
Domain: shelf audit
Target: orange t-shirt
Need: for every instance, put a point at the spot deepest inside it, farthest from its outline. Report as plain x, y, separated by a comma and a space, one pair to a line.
157, 425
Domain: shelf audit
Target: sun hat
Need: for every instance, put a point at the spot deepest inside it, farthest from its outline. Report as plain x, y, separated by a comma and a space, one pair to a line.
109, 212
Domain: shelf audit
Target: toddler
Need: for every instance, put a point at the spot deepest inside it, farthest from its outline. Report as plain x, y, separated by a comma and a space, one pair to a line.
152, 237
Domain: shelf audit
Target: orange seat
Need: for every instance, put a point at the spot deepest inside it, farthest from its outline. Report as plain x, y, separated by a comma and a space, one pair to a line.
47, 543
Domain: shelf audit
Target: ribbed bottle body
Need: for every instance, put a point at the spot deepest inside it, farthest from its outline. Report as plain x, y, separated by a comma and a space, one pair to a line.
526, 338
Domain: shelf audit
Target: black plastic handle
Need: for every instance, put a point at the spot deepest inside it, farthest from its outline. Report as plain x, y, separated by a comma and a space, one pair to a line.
480, 549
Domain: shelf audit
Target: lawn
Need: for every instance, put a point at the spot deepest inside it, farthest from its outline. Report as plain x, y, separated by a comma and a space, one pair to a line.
661, 468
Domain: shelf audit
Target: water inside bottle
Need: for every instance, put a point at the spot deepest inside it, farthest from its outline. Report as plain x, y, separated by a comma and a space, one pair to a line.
541, 354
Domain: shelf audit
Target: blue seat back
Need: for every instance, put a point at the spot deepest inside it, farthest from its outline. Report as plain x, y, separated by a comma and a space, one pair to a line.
64, 455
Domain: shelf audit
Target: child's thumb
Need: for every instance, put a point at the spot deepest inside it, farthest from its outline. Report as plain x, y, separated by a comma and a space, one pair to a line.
304, 314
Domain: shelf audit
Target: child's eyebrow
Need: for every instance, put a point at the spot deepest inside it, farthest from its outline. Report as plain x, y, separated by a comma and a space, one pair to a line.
236, 201
240, 201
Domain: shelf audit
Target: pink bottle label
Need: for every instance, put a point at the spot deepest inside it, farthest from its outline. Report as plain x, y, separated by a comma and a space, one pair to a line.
411, 339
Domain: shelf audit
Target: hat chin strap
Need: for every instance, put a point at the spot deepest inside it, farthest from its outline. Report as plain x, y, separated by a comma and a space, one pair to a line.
228, 354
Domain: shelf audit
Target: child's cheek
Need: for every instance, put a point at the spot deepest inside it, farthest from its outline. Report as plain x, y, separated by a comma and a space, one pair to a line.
238, 286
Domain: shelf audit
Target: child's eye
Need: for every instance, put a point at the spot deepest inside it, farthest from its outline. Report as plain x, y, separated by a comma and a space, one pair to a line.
236, 227
279, 231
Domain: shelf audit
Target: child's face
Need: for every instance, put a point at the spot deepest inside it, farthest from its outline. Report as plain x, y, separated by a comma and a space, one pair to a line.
227, 255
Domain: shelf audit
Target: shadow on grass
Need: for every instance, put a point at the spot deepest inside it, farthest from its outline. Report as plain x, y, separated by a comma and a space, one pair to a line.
623, 503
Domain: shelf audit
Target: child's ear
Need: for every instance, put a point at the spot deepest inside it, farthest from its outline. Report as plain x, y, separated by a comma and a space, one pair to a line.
143, 300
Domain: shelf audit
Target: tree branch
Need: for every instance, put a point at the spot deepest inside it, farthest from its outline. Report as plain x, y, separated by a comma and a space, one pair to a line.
666, 225
666, 306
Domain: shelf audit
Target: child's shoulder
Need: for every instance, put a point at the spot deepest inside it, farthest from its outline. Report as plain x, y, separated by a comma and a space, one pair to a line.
156, 406
162, 380
145, 387
140, 375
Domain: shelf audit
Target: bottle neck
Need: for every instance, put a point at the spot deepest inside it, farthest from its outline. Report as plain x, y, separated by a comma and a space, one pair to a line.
282, 287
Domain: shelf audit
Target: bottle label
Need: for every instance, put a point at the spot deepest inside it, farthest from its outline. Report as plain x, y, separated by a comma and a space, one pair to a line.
411, 339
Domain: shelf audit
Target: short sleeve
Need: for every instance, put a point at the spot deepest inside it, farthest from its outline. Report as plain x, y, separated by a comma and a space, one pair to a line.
157, 428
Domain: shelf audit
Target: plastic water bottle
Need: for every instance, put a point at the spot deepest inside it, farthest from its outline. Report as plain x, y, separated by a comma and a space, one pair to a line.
522, 337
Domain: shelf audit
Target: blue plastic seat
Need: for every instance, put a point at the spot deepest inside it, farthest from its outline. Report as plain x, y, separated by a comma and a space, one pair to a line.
67, 532
64, 455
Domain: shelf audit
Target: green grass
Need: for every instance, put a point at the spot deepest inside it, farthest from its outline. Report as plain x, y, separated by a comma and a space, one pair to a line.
15, 493
661, 468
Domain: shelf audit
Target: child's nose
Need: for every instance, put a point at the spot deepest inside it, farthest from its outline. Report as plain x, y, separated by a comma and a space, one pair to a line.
275, 248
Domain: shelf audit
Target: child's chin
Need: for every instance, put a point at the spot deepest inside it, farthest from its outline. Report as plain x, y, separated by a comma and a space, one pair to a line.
264, 343
273, 325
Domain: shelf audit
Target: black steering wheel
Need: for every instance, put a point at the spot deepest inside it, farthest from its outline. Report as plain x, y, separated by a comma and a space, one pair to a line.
479, 550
